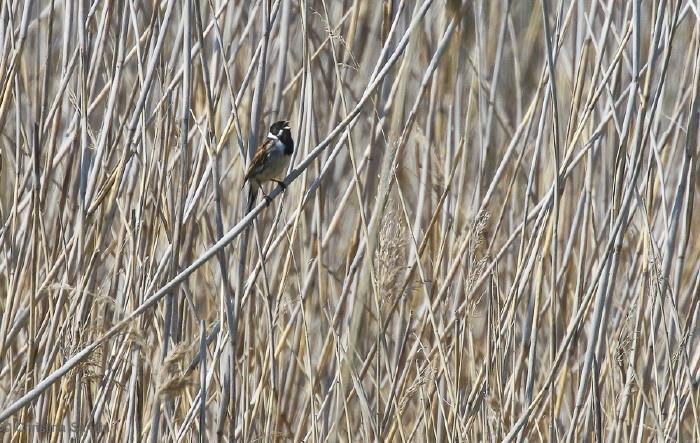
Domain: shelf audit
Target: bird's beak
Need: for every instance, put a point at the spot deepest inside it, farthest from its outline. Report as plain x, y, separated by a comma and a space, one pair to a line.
286, 125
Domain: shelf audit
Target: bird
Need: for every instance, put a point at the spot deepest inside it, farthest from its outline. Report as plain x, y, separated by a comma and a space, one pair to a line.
270, 160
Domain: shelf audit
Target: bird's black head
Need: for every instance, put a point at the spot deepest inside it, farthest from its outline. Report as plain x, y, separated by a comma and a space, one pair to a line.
278, 127
281, 131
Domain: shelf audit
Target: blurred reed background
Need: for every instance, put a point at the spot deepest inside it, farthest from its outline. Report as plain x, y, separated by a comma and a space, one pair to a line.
487, 235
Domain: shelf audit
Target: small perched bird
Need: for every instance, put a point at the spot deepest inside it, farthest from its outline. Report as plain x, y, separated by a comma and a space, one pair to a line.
270, 160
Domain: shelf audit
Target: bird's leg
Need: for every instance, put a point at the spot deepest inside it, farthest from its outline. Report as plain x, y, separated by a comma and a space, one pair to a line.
281, 184
268, 200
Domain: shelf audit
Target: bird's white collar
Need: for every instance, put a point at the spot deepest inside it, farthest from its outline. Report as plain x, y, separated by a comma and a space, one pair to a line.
272, 136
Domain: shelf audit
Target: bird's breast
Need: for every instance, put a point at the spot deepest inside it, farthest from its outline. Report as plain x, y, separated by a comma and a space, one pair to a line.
275, 165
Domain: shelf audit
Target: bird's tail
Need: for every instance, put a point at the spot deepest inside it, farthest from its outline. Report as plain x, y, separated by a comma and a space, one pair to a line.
252, 193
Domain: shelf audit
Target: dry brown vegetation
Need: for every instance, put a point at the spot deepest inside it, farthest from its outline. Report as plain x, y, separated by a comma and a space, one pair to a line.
487, 233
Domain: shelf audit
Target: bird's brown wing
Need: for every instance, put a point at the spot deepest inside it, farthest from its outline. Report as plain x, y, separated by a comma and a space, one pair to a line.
258, 161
